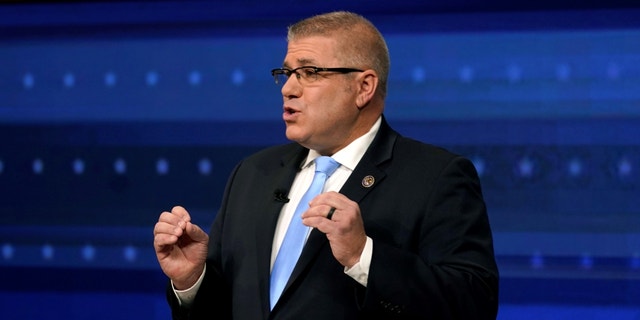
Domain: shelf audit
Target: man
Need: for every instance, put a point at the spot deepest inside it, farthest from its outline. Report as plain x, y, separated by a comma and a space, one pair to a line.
401, 231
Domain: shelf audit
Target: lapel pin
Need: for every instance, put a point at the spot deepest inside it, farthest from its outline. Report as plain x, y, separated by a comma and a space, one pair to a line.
368, 181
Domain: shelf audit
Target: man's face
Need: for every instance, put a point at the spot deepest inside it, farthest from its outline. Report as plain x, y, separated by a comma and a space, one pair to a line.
320, 115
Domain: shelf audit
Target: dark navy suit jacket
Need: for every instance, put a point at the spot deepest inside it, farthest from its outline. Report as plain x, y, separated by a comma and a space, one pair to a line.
432, 245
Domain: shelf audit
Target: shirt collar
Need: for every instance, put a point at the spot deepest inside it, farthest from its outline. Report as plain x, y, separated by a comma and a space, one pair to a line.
350, 155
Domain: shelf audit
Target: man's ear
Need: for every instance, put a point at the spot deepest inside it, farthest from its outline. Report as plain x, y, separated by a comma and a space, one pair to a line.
367, 86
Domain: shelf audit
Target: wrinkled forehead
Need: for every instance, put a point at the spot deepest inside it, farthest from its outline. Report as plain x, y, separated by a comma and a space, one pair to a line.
311, 51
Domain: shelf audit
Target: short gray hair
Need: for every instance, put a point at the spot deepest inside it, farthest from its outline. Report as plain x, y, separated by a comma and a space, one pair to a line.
361, 45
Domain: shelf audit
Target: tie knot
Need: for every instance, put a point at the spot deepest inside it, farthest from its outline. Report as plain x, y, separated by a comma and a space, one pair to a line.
326, 165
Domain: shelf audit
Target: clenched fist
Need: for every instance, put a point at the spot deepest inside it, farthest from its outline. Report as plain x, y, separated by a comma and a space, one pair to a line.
181, 247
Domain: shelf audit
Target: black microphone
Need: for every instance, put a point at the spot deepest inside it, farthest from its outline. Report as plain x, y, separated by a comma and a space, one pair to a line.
280, 195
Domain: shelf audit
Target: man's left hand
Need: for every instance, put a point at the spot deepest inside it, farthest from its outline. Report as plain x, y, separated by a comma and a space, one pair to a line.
344, 229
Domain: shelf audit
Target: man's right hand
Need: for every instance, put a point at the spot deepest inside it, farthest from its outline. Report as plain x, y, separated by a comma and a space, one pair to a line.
181, 247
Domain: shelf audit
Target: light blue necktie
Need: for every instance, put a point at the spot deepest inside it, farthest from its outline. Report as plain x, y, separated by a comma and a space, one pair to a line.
294, 239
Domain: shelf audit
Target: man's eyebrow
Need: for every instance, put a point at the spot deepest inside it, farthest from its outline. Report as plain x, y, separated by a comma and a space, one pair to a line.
301, 62
306, 61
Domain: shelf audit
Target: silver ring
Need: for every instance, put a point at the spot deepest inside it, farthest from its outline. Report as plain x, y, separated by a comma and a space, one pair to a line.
330, 214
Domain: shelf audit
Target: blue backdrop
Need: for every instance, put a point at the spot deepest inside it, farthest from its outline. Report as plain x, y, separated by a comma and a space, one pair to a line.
113, 112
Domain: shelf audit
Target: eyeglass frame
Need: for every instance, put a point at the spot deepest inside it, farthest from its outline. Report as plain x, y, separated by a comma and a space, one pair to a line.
288, 72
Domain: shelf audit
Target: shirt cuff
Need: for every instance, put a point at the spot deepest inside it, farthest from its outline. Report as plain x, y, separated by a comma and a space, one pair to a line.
186, 296
360, 270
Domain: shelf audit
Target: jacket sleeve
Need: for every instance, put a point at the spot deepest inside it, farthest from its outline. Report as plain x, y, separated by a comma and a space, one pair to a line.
212, 299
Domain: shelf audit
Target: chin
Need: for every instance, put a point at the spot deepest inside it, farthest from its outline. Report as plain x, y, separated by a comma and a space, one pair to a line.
297, 138
291, 135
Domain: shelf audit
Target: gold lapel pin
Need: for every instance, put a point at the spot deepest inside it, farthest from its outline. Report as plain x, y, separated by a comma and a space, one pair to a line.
368, 181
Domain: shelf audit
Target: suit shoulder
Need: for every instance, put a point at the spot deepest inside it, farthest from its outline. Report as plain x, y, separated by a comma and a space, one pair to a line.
423, 157
423, 150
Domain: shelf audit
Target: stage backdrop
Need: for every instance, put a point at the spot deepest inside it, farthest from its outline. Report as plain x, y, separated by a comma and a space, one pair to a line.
111, 113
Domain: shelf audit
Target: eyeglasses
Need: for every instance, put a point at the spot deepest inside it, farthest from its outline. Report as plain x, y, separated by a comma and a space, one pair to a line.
305, 74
